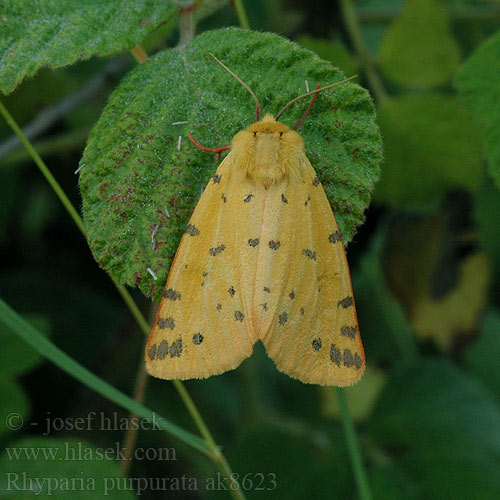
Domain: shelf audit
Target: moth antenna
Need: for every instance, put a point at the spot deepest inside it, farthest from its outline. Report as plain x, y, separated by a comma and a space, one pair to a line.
293, 101
217, 151
308, 110
255, 98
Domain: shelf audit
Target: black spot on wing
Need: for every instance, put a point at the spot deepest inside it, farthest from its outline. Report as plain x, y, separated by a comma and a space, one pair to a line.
238, 315
283, 318
217, 250
315, 181
358, 361
248, 198
267, 290
197, 338
162, 350
348, 358
335, 355
176, 349
152, 352
283, 198
164, 323
345, 303
264, 306
231, 291
216, 178
309, 253
307, 201
171, 294
218, 307
223, 196
253, 242
316, 344
292, 295
192, 230
302, 310
274, 245
334, 237
348, 331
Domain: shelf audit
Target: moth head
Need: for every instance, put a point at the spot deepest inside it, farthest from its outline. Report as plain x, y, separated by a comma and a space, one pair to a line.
268, 151
269, 135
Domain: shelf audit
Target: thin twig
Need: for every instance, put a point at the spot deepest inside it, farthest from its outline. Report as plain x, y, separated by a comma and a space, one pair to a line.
187, 25
130, 438
45, 171
46, 118
66, 141
352, 24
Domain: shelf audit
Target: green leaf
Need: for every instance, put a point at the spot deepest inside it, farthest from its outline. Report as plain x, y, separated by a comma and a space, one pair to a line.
482, 357
418, 49
14, 407
430, 147
133, 173
15, 356
433, 405
477, 83
56, 33
37, 467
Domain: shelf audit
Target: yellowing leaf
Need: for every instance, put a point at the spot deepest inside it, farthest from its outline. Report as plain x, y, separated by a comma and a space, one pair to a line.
458, 311
361, 398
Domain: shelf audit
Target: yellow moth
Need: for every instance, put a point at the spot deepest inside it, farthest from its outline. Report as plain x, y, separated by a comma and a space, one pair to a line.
262, 258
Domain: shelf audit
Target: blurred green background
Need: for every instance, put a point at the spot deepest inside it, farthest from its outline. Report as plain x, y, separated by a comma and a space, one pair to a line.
425, 267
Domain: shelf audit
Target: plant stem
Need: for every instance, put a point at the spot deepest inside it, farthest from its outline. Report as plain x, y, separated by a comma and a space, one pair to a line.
241, 13
187, 25
215, 452
353, 448
130, 438
354, 29
45, 171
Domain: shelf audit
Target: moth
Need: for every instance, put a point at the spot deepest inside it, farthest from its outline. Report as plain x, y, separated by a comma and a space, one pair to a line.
262, 258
